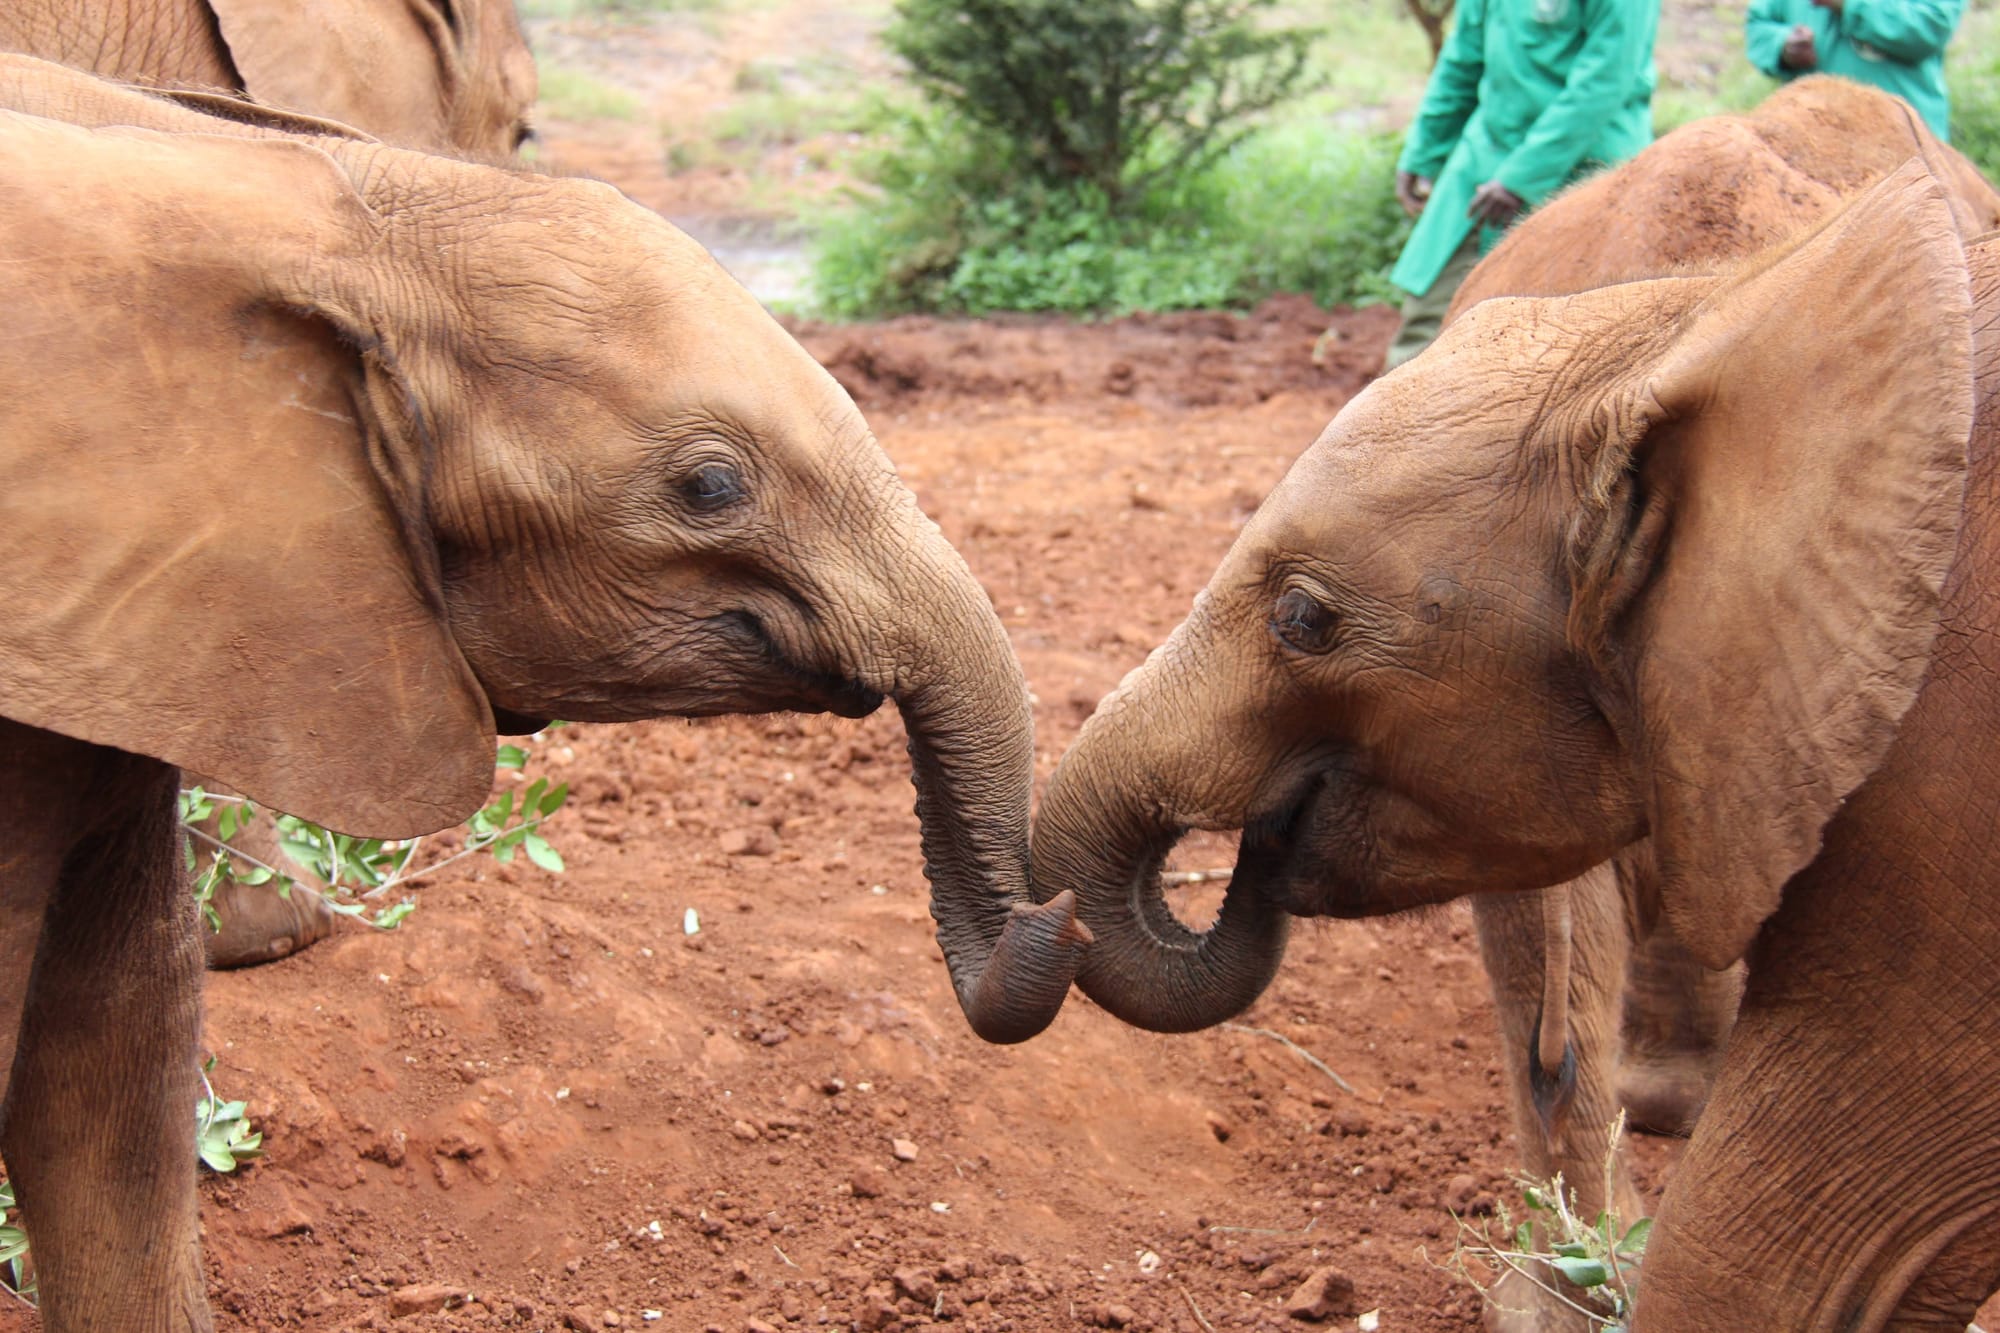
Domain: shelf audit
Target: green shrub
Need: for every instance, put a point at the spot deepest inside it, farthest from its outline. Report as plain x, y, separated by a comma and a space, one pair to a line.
1975, 113
1292, 208
1113, 94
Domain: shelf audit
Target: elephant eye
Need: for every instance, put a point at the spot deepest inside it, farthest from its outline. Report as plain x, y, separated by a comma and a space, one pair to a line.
712, 486
1302, 621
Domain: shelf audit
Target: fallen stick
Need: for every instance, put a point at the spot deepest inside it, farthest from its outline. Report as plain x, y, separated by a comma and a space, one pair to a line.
1199, 1318
1311, 1059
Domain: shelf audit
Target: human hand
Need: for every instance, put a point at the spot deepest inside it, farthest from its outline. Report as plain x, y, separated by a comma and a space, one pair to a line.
1411, 191
1798, 51
1494, 204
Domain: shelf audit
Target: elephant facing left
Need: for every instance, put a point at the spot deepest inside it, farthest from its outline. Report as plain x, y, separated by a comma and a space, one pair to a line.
511, 447
445, 76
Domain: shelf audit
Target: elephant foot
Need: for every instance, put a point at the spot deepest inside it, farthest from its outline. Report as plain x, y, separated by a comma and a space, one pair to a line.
260, 926
1664, 1094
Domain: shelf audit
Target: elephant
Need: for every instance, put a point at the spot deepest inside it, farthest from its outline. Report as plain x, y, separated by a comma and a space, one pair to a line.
444, 76
1693, 563
517, 448
440, 75
1705, 195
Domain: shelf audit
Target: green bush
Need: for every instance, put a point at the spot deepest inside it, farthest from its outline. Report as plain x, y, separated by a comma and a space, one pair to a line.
1116, 95
1293, 208
1975, 114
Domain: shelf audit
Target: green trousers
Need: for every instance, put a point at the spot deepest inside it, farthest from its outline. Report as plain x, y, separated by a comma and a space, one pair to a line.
1423, 315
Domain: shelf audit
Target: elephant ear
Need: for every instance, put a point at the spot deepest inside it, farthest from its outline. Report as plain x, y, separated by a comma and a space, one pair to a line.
1781, 490
390, 67
217, 548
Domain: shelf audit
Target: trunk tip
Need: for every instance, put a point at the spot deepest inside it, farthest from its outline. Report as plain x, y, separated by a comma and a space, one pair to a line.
1023, 985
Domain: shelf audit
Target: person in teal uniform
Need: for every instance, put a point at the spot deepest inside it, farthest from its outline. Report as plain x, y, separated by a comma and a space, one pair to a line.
1896, 45
1527, 96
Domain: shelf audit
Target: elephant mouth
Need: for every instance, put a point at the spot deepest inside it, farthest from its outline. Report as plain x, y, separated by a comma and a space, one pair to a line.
777, 682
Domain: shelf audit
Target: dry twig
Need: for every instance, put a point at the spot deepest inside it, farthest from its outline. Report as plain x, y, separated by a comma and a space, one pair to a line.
1311, 1059
1199, 1318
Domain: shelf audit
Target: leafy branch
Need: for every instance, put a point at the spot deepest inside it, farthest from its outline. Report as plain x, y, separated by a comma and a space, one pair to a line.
357, 872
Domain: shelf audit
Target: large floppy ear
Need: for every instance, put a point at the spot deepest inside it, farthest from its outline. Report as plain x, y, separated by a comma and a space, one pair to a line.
217, 551
1763, 549
389, 67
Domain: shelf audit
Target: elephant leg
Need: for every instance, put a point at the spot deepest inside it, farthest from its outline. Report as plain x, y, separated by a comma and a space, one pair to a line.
99, 1129
1677, 1018
1845, 1174
1576, 1143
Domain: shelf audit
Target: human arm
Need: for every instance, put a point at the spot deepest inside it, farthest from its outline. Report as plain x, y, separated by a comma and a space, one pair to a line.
1451, 95
1908, 30
1600, 83
1765, 33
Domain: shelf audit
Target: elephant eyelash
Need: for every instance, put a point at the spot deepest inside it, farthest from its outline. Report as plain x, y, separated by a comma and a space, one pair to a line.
1304, 623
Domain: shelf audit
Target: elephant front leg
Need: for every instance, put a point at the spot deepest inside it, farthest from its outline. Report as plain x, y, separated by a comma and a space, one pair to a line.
1576, 1140
99, 1133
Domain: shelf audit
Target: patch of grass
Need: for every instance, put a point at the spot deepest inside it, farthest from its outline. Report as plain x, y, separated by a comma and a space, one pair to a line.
1294, 207
571, 94
771, 118
1972, 74
1371, 56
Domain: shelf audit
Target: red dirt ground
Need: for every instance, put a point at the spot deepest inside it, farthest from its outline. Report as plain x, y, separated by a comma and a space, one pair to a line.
543, 1096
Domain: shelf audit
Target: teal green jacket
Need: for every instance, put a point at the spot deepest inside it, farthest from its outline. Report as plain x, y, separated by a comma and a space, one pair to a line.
1529, 92
1896, 45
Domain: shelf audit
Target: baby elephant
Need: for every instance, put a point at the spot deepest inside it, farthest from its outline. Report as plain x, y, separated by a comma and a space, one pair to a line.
1700, 562
326, 460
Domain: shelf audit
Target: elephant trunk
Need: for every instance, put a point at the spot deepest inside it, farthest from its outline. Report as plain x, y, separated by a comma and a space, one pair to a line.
971, 738
1105, 827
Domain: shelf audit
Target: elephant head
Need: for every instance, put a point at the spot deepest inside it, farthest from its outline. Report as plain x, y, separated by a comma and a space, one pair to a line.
451, 76
1658, 559
332, 455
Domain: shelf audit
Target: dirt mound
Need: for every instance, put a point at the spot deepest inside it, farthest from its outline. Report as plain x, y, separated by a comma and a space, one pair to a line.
1185, 359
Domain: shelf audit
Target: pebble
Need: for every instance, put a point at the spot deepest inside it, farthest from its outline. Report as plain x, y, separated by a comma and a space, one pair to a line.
754, 840
903, 1150
868, 1182
1326, 1292
426, 1298
916, 1284
746, 1131
1459, 1192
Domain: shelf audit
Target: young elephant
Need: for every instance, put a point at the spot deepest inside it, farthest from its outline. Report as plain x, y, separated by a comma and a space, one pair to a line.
446, 76
1693, 560
1704, 196
441, 75
514, 447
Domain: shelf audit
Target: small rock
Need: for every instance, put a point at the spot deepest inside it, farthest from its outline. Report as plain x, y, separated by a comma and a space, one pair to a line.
579, 1321
426, 1298
1459, 1192
759, 1326
611, 1319
746, 1131
903, 1150
915, 1283
833, 1085
868, 1182
1219, 1126
753, 840
1116, 1316
1324, 1294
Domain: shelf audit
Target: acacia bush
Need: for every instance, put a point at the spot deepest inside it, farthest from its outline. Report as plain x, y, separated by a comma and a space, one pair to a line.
1116, 95
1105, 156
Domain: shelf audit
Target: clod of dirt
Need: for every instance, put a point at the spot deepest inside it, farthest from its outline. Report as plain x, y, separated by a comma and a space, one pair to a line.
1459, 1192
425, 1298
1218, 1125
1325, 1293
916, 1284
903, 1150
868, 1181
746, 1131
759, 1326
579, 1321
754, 840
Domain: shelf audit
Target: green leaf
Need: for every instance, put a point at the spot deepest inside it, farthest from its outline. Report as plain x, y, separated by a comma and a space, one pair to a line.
555, 798
510, 756
1633, 1246
1583, 1272
1571, 1249
543, 855
391, 917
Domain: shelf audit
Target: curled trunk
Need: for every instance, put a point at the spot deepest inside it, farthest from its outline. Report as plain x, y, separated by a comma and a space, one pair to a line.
1104, 830
965, 706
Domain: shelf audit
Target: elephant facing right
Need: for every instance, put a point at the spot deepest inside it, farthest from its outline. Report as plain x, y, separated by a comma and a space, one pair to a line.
1699, 561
